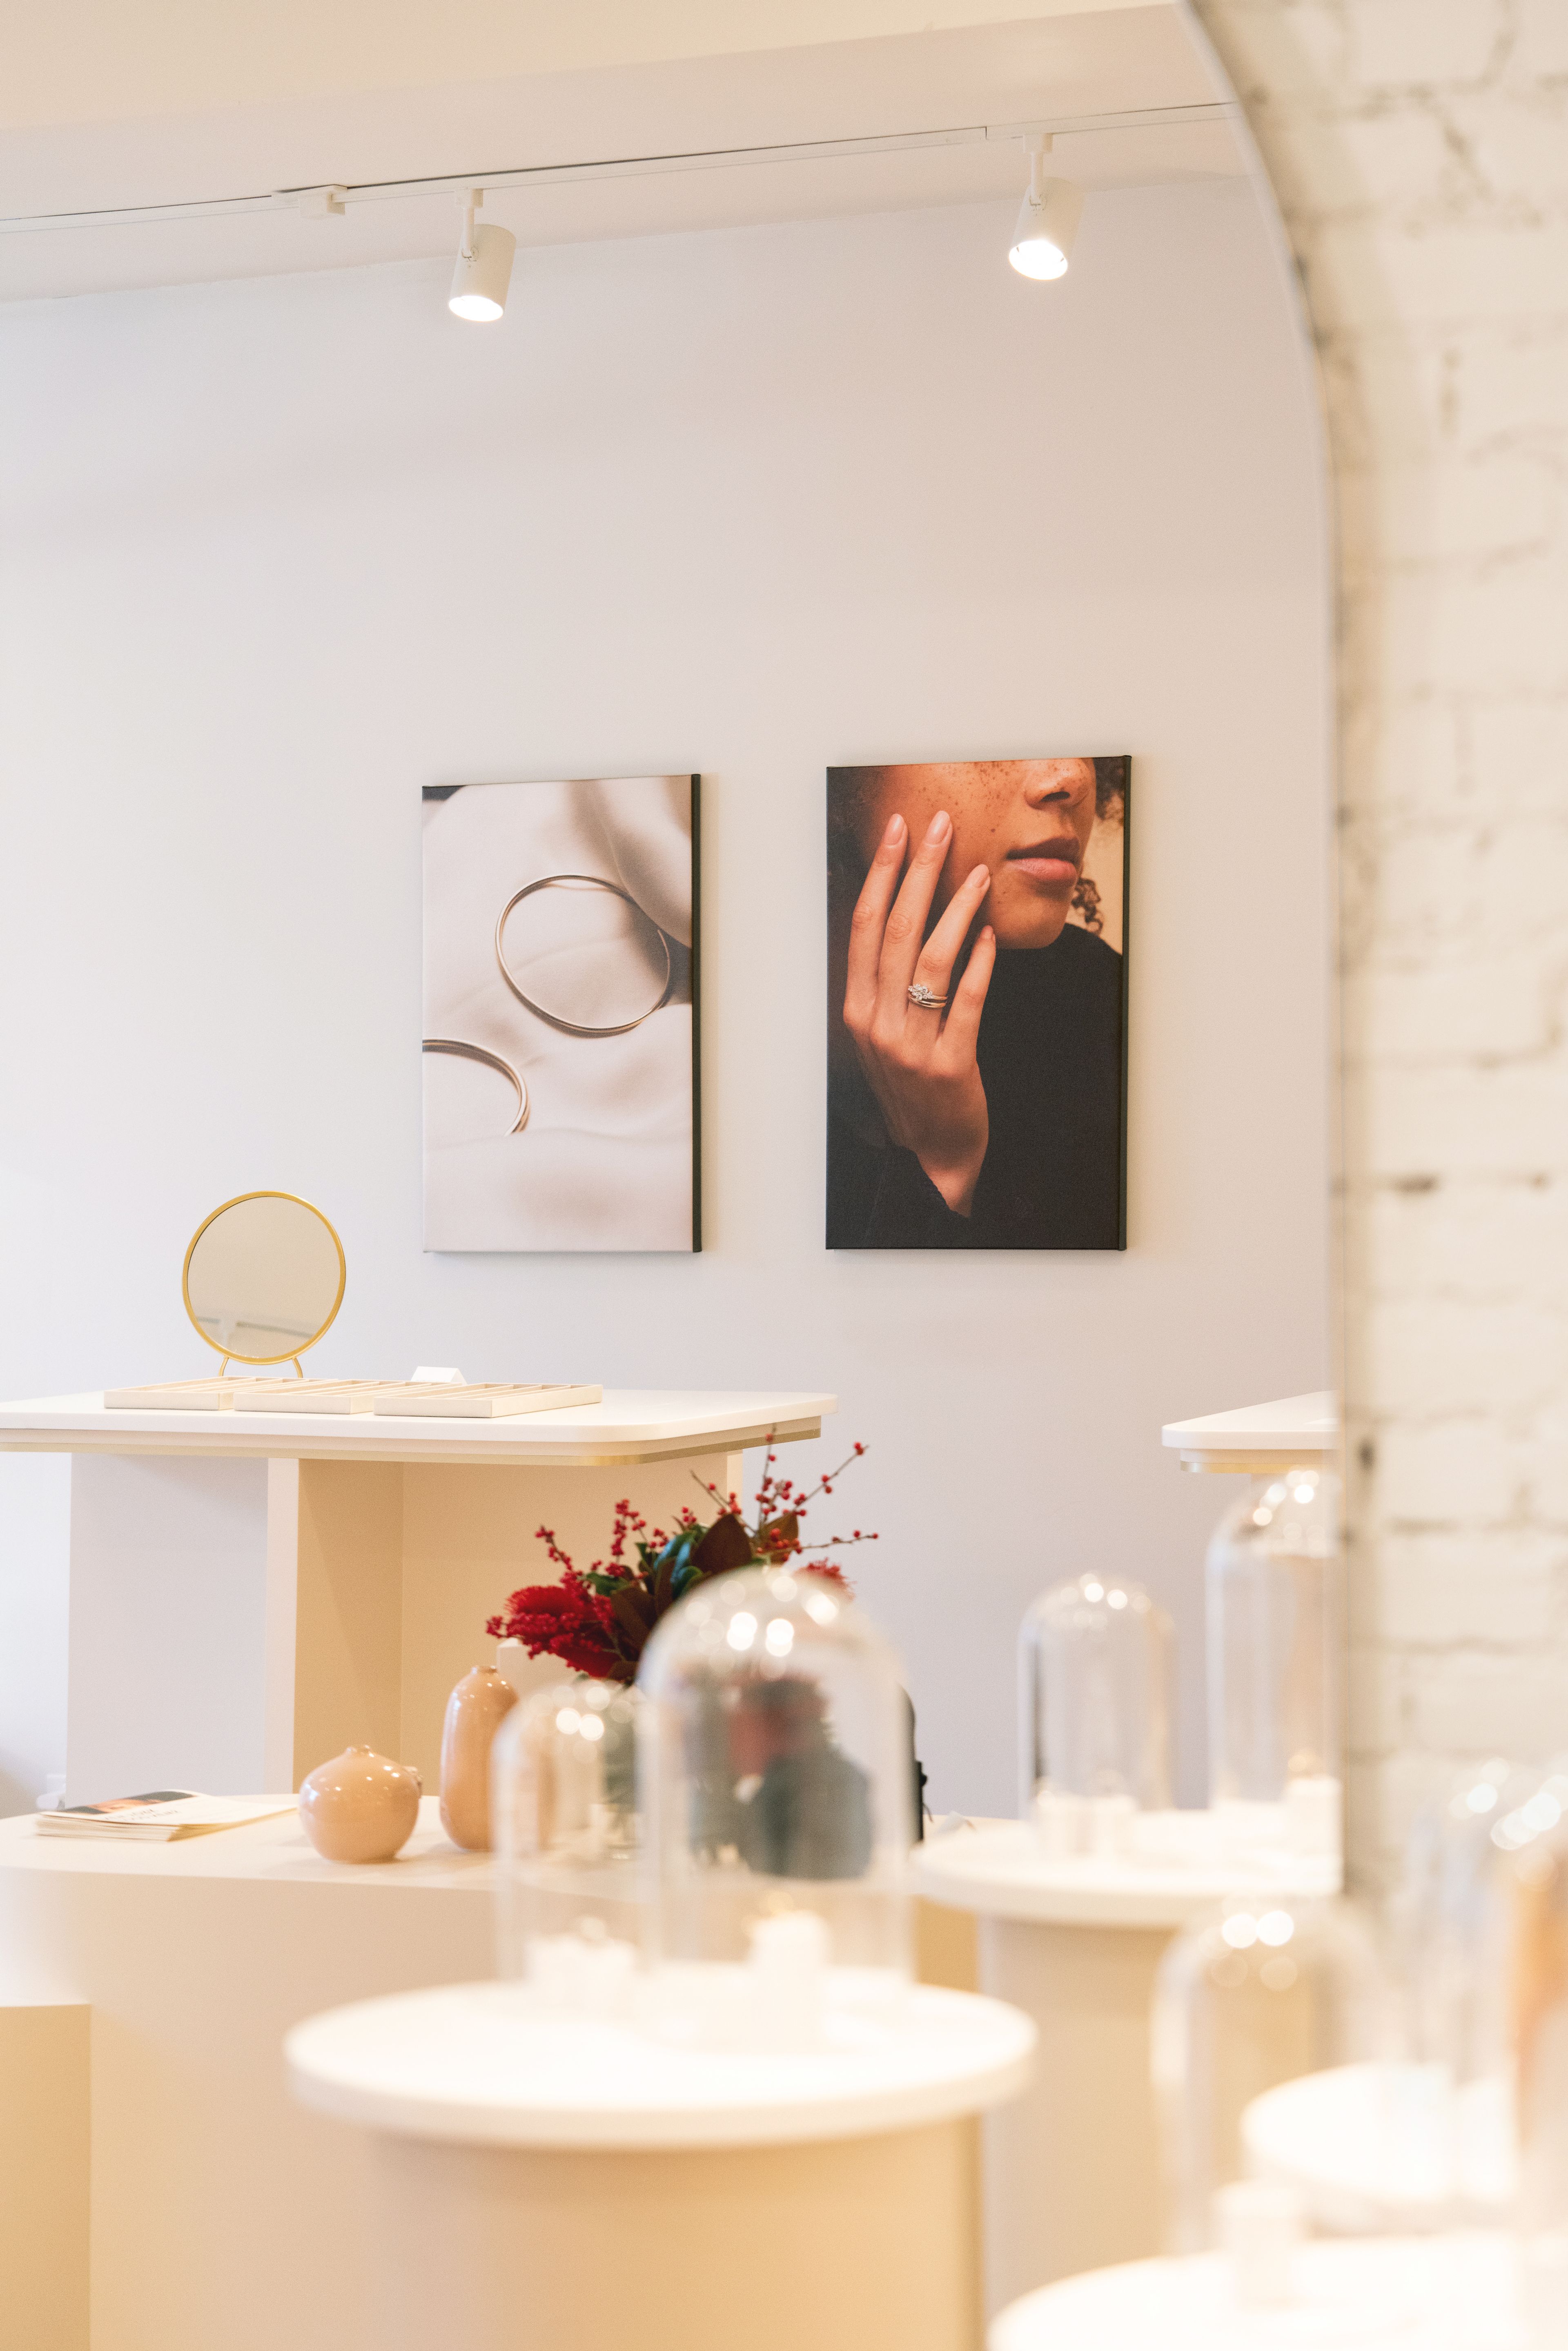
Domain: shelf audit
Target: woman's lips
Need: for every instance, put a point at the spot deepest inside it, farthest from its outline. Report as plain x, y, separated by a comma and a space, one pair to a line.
1049, 862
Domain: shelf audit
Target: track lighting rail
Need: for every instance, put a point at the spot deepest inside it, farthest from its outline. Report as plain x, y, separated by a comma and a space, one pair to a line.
334, 198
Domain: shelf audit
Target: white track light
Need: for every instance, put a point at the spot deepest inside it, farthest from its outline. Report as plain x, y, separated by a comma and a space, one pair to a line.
484, 269
1047, 221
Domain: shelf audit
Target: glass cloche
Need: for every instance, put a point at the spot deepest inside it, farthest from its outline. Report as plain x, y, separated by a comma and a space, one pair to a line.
1452, 1920
569, 1859
774, 1759
1095, 1708
1533, 1837
1268, 1989
1274, 1642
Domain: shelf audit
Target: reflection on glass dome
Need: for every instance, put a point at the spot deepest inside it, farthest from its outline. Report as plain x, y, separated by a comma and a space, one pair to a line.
1532, 1838
1273, 1608
1451, 1918
1095, 1706
775, 1775
570, 1890
1450, 2105
1271, 1988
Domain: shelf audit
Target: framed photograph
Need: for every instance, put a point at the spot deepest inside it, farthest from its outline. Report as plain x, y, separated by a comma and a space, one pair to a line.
977, 1005
561, 1037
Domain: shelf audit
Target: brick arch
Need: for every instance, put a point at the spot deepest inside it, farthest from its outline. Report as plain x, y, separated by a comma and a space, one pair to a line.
1418, 151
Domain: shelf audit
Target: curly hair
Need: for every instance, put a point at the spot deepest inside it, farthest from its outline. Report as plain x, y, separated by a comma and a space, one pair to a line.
1110, 807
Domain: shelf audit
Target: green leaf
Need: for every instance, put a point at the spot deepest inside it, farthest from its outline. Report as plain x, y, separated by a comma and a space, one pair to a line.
633, 1610
726, 1544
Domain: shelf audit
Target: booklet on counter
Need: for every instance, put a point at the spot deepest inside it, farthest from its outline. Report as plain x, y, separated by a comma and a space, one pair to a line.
161, 1813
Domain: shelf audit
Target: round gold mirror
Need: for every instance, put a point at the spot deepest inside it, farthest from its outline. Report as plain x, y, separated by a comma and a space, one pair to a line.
264, 1278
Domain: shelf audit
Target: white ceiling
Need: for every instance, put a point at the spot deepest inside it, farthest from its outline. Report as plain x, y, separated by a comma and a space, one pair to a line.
88, 141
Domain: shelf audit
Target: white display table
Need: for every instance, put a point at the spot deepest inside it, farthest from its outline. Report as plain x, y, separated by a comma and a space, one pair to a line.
1259, 1439
219, 2210
544, 2182
1383, 2148
1424, 2294
1072, 2170
144, 1993
251, 1593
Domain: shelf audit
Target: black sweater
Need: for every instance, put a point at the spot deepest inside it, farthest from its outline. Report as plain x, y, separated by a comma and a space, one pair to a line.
1052, 1044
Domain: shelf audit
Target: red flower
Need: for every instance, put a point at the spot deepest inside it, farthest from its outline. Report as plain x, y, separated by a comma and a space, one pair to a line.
598, 1621
564, 1620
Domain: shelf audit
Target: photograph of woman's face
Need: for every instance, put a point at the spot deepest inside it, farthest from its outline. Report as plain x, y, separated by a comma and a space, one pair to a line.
977, 1003
1029, 821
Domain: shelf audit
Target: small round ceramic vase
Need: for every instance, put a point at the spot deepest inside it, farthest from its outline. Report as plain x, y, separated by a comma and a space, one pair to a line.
475, 1712
361, 1806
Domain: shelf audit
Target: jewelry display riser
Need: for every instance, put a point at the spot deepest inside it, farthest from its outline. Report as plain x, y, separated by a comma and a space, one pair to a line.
171, 2182
1372, 2149
1455, 2292
251, 1593
538, 2181
152, 2149
1070, 2168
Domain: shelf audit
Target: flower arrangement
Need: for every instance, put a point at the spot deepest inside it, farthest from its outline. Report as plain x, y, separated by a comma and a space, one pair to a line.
597, 1619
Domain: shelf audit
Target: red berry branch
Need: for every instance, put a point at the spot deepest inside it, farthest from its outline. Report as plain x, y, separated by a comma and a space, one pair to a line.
597, 1619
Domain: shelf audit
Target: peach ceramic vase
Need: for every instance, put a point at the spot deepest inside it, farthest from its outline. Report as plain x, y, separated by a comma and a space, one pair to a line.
361, 1806
475, 1712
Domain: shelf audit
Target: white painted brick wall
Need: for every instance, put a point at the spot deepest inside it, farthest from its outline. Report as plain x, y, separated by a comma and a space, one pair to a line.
1419, 152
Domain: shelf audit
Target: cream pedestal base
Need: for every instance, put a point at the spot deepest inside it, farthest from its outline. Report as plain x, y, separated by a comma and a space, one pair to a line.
542, 2183
45, 2175
151, 2161
865, 2242
219, 2209
1071, 2169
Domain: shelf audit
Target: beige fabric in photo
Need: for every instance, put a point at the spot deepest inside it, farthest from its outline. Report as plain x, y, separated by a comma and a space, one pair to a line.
605, 1160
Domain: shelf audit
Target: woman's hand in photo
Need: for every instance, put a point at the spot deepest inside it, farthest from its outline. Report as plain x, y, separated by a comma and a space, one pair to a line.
920, 1063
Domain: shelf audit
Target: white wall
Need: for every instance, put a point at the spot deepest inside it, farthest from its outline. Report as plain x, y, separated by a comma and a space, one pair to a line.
281, 552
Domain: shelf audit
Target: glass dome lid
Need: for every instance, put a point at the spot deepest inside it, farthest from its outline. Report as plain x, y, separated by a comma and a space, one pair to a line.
1095, 1702
1272, 1591
776, 1787
1267, 1989
569, 1850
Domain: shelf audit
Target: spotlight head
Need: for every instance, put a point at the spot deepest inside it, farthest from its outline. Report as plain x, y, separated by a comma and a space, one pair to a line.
480, 280
484, 269
1046, 224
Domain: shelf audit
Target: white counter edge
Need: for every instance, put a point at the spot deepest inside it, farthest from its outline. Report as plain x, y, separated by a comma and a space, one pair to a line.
630, 1425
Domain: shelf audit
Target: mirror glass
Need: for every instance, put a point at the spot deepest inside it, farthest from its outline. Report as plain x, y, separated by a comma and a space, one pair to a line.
264, 1278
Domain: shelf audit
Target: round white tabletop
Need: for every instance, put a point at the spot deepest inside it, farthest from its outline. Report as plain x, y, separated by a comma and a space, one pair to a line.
1386, 2147
1387, 2293
486, 2064
1000, 1870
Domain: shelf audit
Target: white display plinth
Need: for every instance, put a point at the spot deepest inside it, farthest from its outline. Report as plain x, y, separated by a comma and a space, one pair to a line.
489, 2063
219, 2209
542, 2182
1424, 2293
1259, 1439
998, 1870
251, 1593
1385, 2149
1071, 2169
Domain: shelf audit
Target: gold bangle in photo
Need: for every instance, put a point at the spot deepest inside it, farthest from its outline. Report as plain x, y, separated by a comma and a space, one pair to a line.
465, 1052
578, 1028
